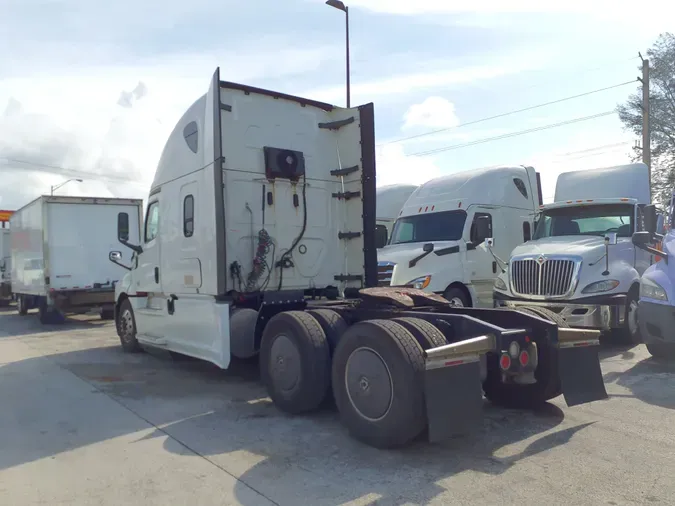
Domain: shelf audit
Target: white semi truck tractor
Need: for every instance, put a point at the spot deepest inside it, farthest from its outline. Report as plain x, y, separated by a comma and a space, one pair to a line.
581, 262
389, 202
259, 239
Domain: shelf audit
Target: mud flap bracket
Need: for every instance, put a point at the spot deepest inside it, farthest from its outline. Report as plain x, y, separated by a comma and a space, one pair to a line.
579, 366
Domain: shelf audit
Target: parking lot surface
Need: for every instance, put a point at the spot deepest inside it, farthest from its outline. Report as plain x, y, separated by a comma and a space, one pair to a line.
83, 423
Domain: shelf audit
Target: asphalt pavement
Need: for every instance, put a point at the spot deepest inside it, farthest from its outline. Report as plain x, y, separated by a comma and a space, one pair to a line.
83, 423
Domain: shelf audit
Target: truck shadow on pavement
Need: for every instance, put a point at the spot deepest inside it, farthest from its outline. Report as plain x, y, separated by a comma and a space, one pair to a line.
13, 324
650, 380
226, 417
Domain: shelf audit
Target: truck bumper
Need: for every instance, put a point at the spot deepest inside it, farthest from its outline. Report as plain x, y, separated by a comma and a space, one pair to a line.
601, 313
657, 322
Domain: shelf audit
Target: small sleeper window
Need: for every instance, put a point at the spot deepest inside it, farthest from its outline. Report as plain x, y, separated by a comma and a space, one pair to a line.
521, 186
191, 134
188, 216
527, 232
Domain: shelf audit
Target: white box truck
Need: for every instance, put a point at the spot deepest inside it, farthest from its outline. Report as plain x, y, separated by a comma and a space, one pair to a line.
255, 221
438, 243
59, 250
581, 262
5, 266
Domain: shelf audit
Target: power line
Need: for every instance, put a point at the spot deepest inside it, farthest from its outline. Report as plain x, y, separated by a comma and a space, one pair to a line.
510, 113
511, 134
55, 169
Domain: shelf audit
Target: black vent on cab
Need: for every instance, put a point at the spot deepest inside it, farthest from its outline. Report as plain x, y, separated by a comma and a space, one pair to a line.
284, 163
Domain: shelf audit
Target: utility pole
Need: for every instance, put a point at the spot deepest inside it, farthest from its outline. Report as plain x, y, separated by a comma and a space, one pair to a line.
646, 137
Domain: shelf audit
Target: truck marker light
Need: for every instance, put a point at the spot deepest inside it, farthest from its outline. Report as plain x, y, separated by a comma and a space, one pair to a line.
426, 209
459, 205
419, 210
432, 207
454, 362
524, 358
527, 339
505, 362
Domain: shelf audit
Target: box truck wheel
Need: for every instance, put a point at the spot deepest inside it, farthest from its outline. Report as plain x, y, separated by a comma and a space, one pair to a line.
49, 315
126, 328
21, 305
548, 382
424, 332
295, 361
378, 386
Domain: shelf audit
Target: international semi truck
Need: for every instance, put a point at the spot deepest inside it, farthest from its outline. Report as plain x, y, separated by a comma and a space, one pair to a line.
59, 250
581, 263
259, 239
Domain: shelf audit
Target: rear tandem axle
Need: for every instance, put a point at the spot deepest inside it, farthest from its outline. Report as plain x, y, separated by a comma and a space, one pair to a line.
401, 361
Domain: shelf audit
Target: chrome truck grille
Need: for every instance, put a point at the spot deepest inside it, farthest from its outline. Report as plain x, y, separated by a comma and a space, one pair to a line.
384, 272
543, 277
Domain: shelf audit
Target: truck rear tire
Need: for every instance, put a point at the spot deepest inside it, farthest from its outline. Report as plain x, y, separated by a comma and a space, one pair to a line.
107, 314
47, 315
427, 335
332, 324
548, 385
295, 362
378, 383
126, 328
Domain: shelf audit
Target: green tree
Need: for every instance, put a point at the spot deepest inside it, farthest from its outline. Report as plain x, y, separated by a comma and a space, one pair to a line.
662, 116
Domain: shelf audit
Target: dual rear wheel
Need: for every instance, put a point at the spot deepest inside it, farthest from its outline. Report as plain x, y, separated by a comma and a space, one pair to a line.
375, 372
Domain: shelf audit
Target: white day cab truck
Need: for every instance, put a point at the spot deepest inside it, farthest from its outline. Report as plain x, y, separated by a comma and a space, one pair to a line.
389, 202
262, 210
657, 286
438, 243
59, 247
581, 262
5, 266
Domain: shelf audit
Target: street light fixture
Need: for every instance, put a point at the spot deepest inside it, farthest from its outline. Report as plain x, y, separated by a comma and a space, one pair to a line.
65, 182
337, 4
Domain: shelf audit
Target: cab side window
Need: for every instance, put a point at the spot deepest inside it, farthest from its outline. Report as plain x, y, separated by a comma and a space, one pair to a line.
152, 221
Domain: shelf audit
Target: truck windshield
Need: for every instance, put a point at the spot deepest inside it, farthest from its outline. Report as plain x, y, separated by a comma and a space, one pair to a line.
586, 220
443, 226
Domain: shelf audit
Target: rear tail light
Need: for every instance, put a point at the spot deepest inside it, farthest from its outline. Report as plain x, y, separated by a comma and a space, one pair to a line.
505, 362
524, 358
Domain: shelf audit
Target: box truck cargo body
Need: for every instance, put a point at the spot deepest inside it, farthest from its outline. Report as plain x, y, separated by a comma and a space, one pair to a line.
59, 253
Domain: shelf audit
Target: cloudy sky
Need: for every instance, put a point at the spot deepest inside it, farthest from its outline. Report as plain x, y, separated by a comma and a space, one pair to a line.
90, 90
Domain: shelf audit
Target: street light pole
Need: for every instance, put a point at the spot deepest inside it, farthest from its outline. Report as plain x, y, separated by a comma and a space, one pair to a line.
65, 182
338, 4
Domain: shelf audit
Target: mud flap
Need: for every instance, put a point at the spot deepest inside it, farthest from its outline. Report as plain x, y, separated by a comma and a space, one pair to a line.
579, 366
453, 387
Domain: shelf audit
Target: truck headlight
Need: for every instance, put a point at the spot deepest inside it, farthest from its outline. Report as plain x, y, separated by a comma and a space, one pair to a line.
420, 283
652, 290
601, 286
499, 284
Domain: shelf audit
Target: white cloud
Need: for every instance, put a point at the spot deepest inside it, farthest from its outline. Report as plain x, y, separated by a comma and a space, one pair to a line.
434, 112
421, 81
394, 167
406, 7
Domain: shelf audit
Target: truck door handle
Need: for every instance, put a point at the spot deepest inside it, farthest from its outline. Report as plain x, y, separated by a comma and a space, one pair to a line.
494, 267
156, 274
